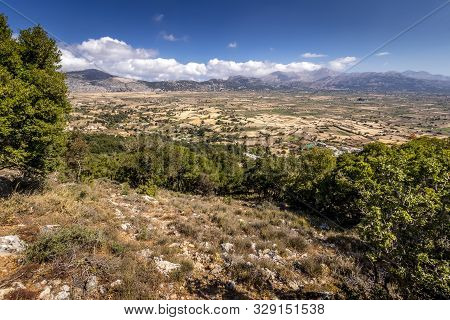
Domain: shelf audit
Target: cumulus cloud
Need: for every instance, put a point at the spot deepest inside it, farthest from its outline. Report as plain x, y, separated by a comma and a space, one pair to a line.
70, 62
119, 58
232, 44
223, 69
340, 64
384, 53
313, 55
158, 17
107, 48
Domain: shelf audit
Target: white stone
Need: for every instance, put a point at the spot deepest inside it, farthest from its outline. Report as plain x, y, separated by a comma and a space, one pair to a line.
4, 292
91, 284
125, 226
293, 285
102, 289
49, 228
116, 283
64, 294
166, 266
149, 199
227, 247
145, 253
269, 273
11, 245
45, 294
253, 256
55, 283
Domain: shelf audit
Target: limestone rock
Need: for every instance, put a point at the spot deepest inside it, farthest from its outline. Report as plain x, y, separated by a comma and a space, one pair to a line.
45, 294
145, 253
91, 285
125, 226
166, 266
4, 292
116, 283
49, 228
149, 199
11, 245
64, 294
227, 247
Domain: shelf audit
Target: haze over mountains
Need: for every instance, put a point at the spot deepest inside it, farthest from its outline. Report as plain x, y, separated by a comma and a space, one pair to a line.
92, 80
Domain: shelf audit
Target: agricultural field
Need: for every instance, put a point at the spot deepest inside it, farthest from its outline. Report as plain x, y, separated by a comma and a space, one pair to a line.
283, 121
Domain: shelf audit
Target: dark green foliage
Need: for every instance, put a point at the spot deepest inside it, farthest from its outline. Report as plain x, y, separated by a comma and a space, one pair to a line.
61, 243
117, 248
33, 104
148, 162
399, 198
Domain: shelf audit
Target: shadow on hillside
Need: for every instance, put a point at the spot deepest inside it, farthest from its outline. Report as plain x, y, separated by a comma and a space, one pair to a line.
302, 295
215, 289
12, 182
348, 244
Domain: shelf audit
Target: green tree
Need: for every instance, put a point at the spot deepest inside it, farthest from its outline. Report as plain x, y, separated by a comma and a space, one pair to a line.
398, 196
33, 101
306, 173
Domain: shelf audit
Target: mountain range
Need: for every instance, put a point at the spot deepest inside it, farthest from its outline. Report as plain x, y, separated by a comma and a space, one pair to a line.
92, 80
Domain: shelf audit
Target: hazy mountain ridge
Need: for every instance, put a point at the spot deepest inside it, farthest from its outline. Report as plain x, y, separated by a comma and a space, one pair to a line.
92, 80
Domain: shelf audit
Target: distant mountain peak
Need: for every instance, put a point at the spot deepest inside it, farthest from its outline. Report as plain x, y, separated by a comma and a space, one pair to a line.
90, 75
423, 75
93, 80
299, 76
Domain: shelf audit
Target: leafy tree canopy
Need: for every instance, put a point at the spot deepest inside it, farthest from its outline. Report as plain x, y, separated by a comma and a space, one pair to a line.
33, 100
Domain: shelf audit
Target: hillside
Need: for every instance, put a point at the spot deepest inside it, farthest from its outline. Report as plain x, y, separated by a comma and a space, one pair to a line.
92, 80
148, 218
102, 240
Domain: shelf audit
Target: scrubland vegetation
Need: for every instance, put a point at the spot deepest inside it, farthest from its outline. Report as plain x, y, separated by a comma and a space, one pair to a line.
145, 216
394, 197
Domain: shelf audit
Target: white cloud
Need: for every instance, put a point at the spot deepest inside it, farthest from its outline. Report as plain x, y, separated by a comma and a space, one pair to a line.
232, 44
171, 37
384, 53
119, 58
70, 62
158, 17
340, 64
107, 48
313, 55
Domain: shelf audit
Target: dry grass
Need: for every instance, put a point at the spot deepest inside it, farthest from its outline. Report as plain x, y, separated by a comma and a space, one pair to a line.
100, 230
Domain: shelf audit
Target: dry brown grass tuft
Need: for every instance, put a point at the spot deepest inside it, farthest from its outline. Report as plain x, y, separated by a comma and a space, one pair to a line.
22, 294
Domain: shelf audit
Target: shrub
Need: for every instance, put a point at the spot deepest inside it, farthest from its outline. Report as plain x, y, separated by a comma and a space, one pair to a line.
61, 243
398, 197
148, 189
185, 270
117, 248
298, 243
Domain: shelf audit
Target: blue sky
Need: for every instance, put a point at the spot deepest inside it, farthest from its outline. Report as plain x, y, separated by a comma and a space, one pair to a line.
159, 40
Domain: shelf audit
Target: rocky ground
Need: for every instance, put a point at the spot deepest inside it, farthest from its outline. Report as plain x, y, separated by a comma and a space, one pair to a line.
100, 240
